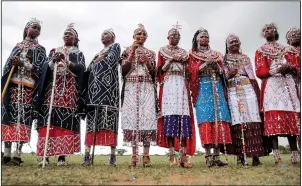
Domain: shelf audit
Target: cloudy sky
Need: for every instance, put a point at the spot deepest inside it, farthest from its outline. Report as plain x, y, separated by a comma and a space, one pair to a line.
244, 19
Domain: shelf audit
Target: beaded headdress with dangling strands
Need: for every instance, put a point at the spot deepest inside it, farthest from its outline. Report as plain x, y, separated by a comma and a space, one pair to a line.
293, 34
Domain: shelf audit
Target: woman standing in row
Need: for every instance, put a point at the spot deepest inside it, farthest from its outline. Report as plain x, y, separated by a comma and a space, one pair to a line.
279, 99
64, 133
25, 64
243, 94
208, 92
139, 97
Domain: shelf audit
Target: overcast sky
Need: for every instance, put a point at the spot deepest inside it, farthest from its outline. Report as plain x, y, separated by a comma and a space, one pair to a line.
244, 19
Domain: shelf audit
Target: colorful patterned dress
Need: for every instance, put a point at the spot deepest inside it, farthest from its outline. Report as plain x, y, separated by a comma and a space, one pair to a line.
207, 109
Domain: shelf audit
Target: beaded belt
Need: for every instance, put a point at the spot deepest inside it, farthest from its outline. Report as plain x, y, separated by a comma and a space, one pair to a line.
26, 80
138, 79
174, 73
240, 82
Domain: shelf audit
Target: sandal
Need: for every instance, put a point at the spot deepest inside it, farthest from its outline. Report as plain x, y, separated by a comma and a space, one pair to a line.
209, 160
218, 162
184, 162
134, 161
146, 161
112, 160
173, 161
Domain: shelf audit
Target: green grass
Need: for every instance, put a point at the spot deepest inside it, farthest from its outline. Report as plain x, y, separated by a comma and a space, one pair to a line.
101, 174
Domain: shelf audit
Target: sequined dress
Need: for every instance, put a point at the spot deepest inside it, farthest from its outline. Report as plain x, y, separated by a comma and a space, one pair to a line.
202, 84
176, 116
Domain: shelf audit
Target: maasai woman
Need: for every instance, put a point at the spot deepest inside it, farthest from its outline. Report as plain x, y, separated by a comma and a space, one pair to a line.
176, 124
243, 94
64, 133
25, 64
279, 94
102, 99
213, 116
292, 52
139, 96
293, 56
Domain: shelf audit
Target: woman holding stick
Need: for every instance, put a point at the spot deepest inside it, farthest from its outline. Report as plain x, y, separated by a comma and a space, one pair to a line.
20, 75
64, 133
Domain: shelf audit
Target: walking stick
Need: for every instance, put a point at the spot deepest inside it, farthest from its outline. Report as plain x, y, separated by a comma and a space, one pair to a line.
7, 82
49, 112
94, 132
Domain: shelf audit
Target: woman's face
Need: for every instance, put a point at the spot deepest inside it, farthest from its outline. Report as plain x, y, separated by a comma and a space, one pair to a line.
174, 39
106, 38
203, 40
69, 38
234, 45
140, 37
33, 31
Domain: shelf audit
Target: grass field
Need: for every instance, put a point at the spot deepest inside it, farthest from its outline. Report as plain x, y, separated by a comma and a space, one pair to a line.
76, 174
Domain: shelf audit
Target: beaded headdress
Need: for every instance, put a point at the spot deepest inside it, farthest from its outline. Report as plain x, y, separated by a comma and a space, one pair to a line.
273, 25
110, 32
140, 28
70, 27
203, 32
175, 30
33, 21
230, 38
293, 34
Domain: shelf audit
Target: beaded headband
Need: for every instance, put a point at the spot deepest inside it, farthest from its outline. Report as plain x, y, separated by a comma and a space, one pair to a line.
110, 32
230, 38
273, 25
203, 32
140, 28
293, 34
33, 21
71, 29
175, 30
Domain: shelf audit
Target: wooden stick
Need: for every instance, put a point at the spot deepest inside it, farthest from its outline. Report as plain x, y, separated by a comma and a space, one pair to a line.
7, 82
